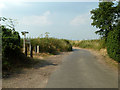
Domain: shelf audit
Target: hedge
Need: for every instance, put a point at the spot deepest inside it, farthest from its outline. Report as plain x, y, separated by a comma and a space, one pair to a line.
11, 52
113, 44
52, 45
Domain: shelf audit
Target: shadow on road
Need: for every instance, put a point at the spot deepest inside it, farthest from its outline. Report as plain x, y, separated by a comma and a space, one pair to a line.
34, 63
43, 63
75, 50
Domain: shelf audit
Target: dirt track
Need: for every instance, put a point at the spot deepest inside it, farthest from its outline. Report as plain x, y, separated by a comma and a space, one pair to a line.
37, 76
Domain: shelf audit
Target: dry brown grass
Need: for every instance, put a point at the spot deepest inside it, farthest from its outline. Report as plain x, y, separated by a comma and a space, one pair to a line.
103, 56
108, 60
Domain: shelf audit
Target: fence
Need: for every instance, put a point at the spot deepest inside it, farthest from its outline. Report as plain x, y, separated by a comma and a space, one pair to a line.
29, 48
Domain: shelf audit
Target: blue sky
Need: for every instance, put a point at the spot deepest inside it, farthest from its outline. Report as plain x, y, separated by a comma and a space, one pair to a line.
69, 20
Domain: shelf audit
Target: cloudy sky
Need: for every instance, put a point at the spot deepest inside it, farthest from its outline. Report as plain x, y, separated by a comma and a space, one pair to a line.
69, 20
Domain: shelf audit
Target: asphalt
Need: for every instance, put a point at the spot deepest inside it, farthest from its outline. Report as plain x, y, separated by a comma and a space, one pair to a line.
81, 69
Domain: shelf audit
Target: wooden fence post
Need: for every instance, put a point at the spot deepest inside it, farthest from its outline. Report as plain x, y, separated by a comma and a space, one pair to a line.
31, 51
37, 49
26, 51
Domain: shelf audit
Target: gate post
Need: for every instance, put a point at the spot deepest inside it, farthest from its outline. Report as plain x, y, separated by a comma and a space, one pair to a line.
26, 51
37, 48
31, 51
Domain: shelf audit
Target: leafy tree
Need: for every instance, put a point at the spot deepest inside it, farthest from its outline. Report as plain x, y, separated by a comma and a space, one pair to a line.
10, 46
117, 13
9, 22
107, 19
47, 34
103, 18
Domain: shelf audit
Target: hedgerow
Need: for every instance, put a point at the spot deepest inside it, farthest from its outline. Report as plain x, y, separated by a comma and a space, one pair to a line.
11, 52
51, 45
113, 44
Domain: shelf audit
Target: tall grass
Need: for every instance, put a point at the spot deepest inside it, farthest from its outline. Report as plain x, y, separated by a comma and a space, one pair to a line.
94, 44
52, 45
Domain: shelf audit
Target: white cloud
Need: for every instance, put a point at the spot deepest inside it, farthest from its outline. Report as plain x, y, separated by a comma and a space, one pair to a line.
16, 2
80, 20
2, 5
47, 13
37, 20
61, 0
6, 3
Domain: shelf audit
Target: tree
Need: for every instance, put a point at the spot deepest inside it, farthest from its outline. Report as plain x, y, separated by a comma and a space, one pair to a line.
47, 34
113, 43
107, 19
9, 22
117, 13
103, 18
10, 46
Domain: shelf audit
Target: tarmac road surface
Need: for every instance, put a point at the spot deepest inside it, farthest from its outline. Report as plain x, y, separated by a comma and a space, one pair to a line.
81, 69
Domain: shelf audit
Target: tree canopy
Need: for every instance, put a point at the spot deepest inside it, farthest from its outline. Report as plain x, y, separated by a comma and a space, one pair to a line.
106, 17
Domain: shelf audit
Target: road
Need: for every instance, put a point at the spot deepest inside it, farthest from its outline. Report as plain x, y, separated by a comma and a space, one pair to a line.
81, 69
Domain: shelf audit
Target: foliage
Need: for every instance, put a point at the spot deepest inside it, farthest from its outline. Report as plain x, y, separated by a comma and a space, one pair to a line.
94, 44
117, 13
113, 44
9, 22
47, 34
10, 46
0, 40
105, 17
11, 52
51, 45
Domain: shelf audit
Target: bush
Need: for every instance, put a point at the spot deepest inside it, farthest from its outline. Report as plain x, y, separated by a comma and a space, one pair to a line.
69, 44
11, 53
51, 45
113, 44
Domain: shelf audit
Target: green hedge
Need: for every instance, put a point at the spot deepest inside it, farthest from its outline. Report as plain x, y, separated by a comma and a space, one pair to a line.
11, 52
113, 44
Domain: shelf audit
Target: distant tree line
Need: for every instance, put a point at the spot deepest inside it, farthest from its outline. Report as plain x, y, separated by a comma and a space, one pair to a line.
107, 19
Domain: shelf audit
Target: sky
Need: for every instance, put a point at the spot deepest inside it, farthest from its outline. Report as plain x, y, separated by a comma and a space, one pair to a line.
67, 20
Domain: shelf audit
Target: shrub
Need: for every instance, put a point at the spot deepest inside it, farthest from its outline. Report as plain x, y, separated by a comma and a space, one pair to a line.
69, 45
113, 44
51, 45
11, 53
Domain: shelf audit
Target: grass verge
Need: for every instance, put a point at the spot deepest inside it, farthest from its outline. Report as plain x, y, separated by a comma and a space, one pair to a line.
98, 47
